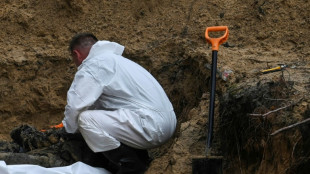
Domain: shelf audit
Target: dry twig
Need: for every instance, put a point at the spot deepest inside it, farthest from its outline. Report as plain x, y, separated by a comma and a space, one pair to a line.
290, 126
292, 156
276, 110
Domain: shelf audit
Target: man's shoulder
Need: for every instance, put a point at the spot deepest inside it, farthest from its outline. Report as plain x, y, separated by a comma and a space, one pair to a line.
96, 59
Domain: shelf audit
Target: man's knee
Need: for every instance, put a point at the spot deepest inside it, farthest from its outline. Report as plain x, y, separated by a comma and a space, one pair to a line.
83, 118
86, 123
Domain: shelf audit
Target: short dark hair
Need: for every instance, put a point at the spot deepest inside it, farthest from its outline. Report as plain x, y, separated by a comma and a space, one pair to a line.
80, 39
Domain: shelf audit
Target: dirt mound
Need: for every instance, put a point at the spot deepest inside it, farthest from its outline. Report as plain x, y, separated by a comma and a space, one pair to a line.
167, 38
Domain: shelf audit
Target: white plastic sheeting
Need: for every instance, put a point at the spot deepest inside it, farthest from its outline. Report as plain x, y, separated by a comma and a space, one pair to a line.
76, 168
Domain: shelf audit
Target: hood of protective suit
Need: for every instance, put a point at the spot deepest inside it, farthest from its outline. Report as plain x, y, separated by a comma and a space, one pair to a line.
106, 46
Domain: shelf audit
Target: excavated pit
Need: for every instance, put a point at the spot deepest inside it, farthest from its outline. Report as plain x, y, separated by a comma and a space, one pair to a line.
242, 136
249, 116
185, 75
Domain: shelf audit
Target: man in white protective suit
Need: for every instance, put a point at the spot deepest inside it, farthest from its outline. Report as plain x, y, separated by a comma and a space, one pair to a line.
117, 106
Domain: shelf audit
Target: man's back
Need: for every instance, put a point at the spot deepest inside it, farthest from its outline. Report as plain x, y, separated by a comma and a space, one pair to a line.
125, 83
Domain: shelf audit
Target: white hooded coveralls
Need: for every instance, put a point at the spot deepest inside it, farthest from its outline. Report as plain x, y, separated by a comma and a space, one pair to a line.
113, 100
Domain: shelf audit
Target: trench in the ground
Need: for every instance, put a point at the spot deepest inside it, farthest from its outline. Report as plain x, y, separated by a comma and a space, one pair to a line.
245, 138
41, 87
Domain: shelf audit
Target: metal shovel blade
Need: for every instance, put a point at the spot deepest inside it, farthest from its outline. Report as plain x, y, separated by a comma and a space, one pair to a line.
207, 165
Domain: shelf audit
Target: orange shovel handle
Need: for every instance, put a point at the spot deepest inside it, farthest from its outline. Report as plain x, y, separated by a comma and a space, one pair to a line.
58, 126
216, 42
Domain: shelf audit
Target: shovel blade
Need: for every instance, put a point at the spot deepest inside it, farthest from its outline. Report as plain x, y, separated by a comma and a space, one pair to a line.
207, 166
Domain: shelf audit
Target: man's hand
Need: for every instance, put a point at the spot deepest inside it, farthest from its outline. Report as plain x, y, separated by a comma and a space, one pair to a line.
58, 126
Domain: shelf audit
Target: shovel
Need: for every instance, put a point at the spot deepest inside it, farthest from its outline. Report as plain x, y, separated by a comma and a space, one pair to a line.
211, 164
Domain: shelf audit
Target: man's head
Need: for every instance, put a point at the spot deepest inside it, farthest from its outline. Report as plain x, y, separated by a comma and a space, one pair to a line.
80, 46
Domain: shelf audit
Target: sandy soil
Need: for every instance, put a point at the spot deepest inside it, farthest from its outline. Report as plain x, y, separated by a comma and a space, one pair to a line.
167, 38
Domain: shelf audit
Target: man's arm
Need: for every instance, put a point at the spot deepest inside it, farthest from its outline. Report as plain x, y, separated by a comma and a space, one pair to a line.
84, 91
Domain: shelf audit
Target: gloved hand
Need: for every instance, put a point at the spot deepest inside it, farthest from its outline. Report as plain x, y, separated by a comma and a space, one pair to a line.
58, 126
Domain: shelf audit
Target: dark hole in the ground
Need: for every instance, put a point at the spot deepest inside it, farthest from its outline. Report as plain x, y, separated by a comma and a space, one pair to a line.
245, 134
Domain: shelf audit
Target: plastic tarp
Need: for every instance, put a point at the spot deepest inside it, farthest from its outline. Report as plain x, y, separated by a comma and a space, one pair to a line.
76, 168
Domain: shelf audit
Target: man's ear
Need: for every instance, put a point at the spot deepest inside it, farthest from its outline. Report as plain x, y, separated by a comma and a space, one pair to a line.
77, 57
77, 54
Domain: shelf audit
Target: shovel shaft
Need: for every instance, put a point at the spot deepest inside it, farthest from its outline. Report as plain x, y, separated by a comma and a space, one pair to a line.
212, 98
211, 165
